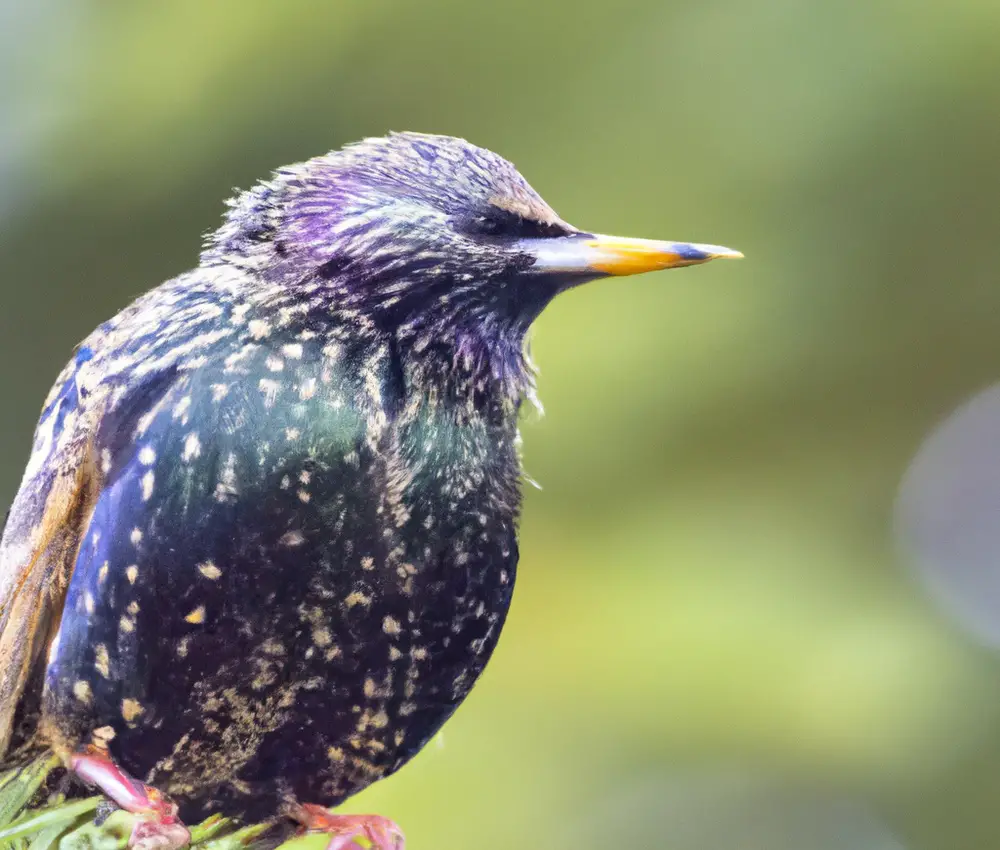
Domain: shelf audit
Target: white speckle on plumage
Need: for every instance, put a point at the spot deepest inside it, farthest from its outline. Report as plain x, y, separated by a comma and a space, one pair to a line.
308, 389
144, 422
259, 329
293, 538
357, 598
234, 362
148, 485
136, 536
239, 314
147, 455
273, 647
228, 486
209, 570
131, 709
270, 389
103, 736
192, 448
182, 409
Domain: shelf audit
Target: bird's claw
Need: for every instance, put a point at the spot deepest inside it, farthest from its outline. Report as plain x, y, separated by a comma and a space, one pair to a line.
157, 826
381, 833
153, 833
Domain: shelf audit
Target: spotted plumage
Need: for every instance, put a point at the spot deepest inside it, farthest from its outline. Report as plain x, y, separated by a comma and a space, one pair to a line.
266, 540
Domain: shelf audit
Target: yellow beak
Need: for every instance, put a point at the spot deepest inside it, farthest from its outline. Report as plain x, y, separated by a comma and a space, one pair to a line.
588, 254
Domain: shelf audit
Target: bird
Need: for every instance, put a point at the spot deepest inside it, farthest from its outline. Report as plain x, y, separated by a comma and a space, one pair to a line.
266, 539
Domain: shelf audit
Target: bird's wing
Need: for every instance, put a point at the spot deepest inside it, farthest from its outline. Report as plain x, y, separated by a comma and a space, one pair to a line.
67, 468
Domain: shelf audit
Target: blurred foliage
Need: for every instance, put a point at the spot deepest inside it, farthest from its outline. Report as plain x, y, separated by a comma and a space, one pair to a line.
708, 576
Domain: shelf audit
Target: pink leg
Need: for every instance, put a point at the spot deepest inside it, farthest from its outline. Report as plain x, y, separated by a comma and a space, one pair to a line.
158, 827
380, 832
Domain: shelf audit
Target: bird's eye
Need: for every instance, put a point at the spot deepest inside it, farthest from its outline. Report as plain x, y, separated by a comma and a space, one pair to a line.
489, 225
500, 223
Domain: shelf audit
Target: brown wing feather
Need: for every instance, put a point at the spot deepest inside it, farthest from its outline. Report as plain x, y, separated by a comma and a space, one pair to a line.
39, 548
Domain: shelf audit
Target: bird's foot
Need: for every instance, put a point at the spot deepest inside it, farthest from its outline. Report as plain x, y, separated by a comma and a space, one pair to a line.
380, 833
157, 826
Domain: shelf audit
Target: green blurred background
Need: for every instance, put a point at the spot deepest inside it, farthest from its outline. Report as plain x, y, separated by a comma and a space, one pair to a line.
712, 644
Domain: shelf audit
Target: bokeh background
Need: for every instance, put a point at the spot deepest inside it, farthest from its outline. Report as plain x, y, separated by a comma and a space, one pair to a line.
715, 641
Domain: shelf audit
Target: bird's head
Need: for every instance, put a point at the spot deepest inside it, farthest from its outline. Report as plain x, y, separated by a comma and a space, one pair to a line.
431, 239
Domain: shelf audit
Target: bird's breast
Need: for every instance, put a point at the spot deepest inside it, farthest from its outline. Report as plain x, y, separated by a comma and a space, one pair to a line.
292, 575
451, 501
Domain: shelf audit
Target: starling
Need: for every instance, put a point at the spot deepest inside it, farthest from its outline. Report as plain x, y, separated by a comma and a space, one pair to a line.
267, 535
